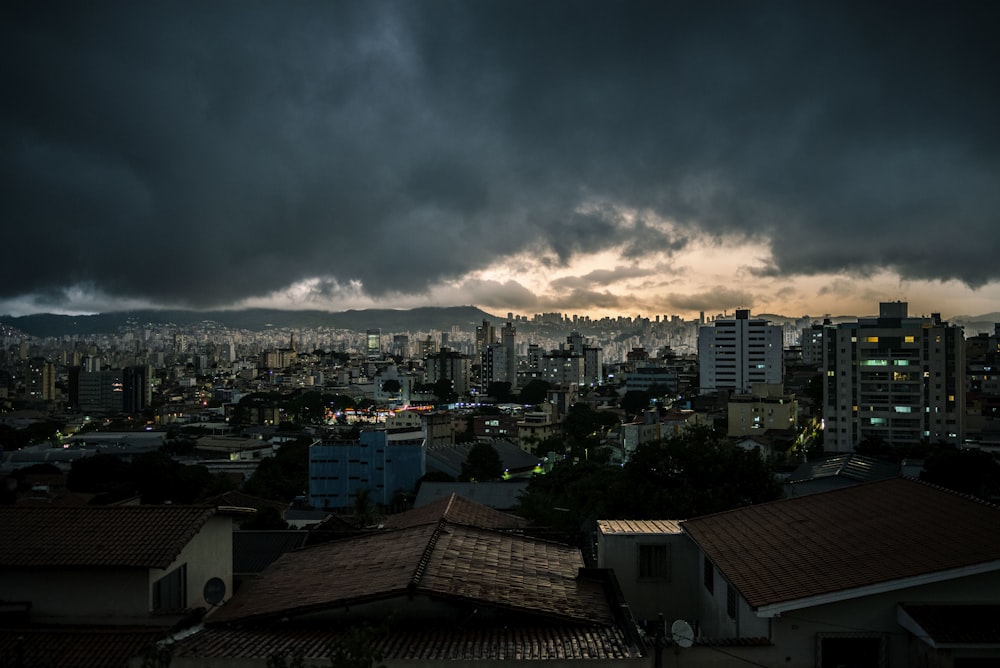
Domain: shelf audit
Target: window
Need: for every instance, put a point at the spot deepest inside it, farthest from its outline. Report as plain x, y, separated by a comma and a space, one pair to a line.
709, 575
731, 601
170, 591
654, 562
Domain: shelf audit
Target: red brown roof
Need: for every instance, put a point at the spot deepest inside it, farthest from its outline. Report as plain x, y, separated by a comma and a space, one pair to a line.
424, 643
861, 536
80, 647
457, 510
443, 561
109, 536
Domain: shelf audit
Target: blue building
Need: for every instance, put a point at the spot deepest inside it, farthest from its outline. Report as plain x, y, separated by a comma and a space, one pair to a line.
381, 461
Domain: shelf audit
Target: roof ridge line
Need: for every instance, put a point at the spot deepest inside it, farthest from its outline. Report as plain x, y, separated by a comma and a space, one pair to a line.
964, 495
418, 572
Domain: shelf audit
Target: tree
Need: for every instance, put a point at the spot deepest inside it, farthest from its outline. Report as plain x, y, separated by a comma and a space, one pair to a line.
284, 476
695, 474
500, 390
483, 463
972, 472
686, 476
584, 428
391, 386
535, 392
364, 509
634, 402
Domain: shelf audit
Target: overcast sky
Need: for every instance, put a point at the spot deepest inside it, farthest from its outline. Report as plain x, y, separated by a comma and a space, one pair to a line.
606, 157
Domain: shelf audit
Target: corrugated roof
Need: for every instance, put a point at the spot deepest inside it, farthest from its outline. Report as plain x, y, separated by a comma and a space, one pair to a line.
851, 466
638, 527
123, 536
445, 560
458, 510
868, 534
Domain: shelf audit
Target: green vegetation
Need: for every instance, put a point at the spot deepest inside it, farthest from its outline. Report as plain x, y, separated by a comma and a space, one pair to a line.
686, 476
153, 476
284, 476
482, 464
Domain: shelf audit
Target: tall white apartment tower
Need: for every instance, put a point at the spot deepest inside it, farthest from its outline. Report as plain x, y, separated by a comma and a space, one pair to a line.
736, 353
894, 379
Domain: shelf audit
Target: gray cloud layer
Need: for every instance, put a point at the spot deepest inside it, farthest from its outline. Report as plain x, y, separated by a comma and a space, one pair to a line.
200, 153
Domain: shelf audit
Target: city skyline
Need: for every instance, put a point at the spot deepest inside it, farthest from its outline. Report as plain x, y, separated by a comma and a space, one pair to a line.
585, 157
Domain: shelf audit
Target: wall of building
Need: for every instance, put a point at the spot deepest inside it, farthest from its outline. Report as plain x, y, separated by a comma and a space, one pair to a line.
80, 595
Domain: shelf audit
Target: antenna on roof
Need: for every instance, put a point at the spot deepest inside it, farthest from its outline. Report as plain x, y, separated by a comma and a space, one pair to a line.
214, 591
681, 633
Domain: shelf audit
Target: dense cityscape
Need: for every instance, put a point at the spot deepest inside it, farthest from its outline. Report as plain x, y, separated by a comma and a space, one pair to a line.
437, 334
324, 437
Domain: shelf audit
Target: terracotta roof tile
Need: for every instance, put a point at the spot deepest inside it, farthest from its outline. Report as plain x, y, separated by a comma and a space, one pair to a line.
80, 647
129, 536
868, 534
425, 643
443, 560
458, 510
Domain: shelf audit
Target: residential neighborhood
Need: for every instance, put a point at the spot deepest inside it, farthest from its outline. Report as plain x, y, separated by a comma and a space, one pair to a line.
653, 511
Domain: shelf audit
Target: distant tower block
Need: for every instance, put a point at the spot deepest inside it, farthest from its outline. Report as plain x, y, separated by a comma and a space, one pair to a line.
374, 347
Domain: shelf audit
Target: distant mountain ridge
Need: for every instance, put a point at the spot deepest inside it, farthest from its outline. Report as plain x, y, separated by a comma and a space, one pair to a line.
422, 319
389, 320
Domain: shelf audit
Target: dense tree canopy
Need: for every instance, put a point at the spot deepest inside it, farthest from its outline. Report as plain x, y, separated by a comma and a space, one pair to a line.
972, 472
482, 464
686, 476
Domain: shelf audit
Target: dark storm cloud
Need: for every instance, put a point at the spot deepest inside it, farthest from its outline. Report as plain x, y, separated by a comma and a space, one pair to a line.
719, 298
201, 153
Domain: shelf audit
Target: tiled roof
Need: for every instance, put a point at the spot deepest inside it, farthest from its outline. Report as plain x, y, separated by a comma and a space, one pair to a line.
80, 647
458, 510
638, 527
423, 643
444, 561
865, 535
499, 495
125, 536
955, 624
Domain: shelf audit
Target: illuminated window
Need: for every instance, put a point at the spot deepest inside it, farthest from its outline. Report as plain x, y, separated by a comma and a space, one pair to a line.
909, 339
871, 339
903, 409
901, 362
875, 363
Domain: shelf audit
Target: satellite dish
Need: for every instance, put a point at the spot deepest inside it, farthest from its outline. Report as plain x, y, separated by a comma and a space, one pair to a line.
681, 633
214, 591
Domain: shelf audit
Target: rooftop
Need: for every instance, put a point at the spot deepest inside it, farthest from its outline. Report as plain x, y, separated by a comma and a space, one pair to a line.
123, 536
873, 534
638, 527
457, 510
443, 561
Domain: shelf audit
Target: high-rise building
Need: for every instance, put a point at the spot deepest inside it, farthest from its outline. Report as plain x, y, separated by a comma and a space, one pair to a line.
40, 379
894, 379
374, 343
449, 365
736, 353
507, 340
